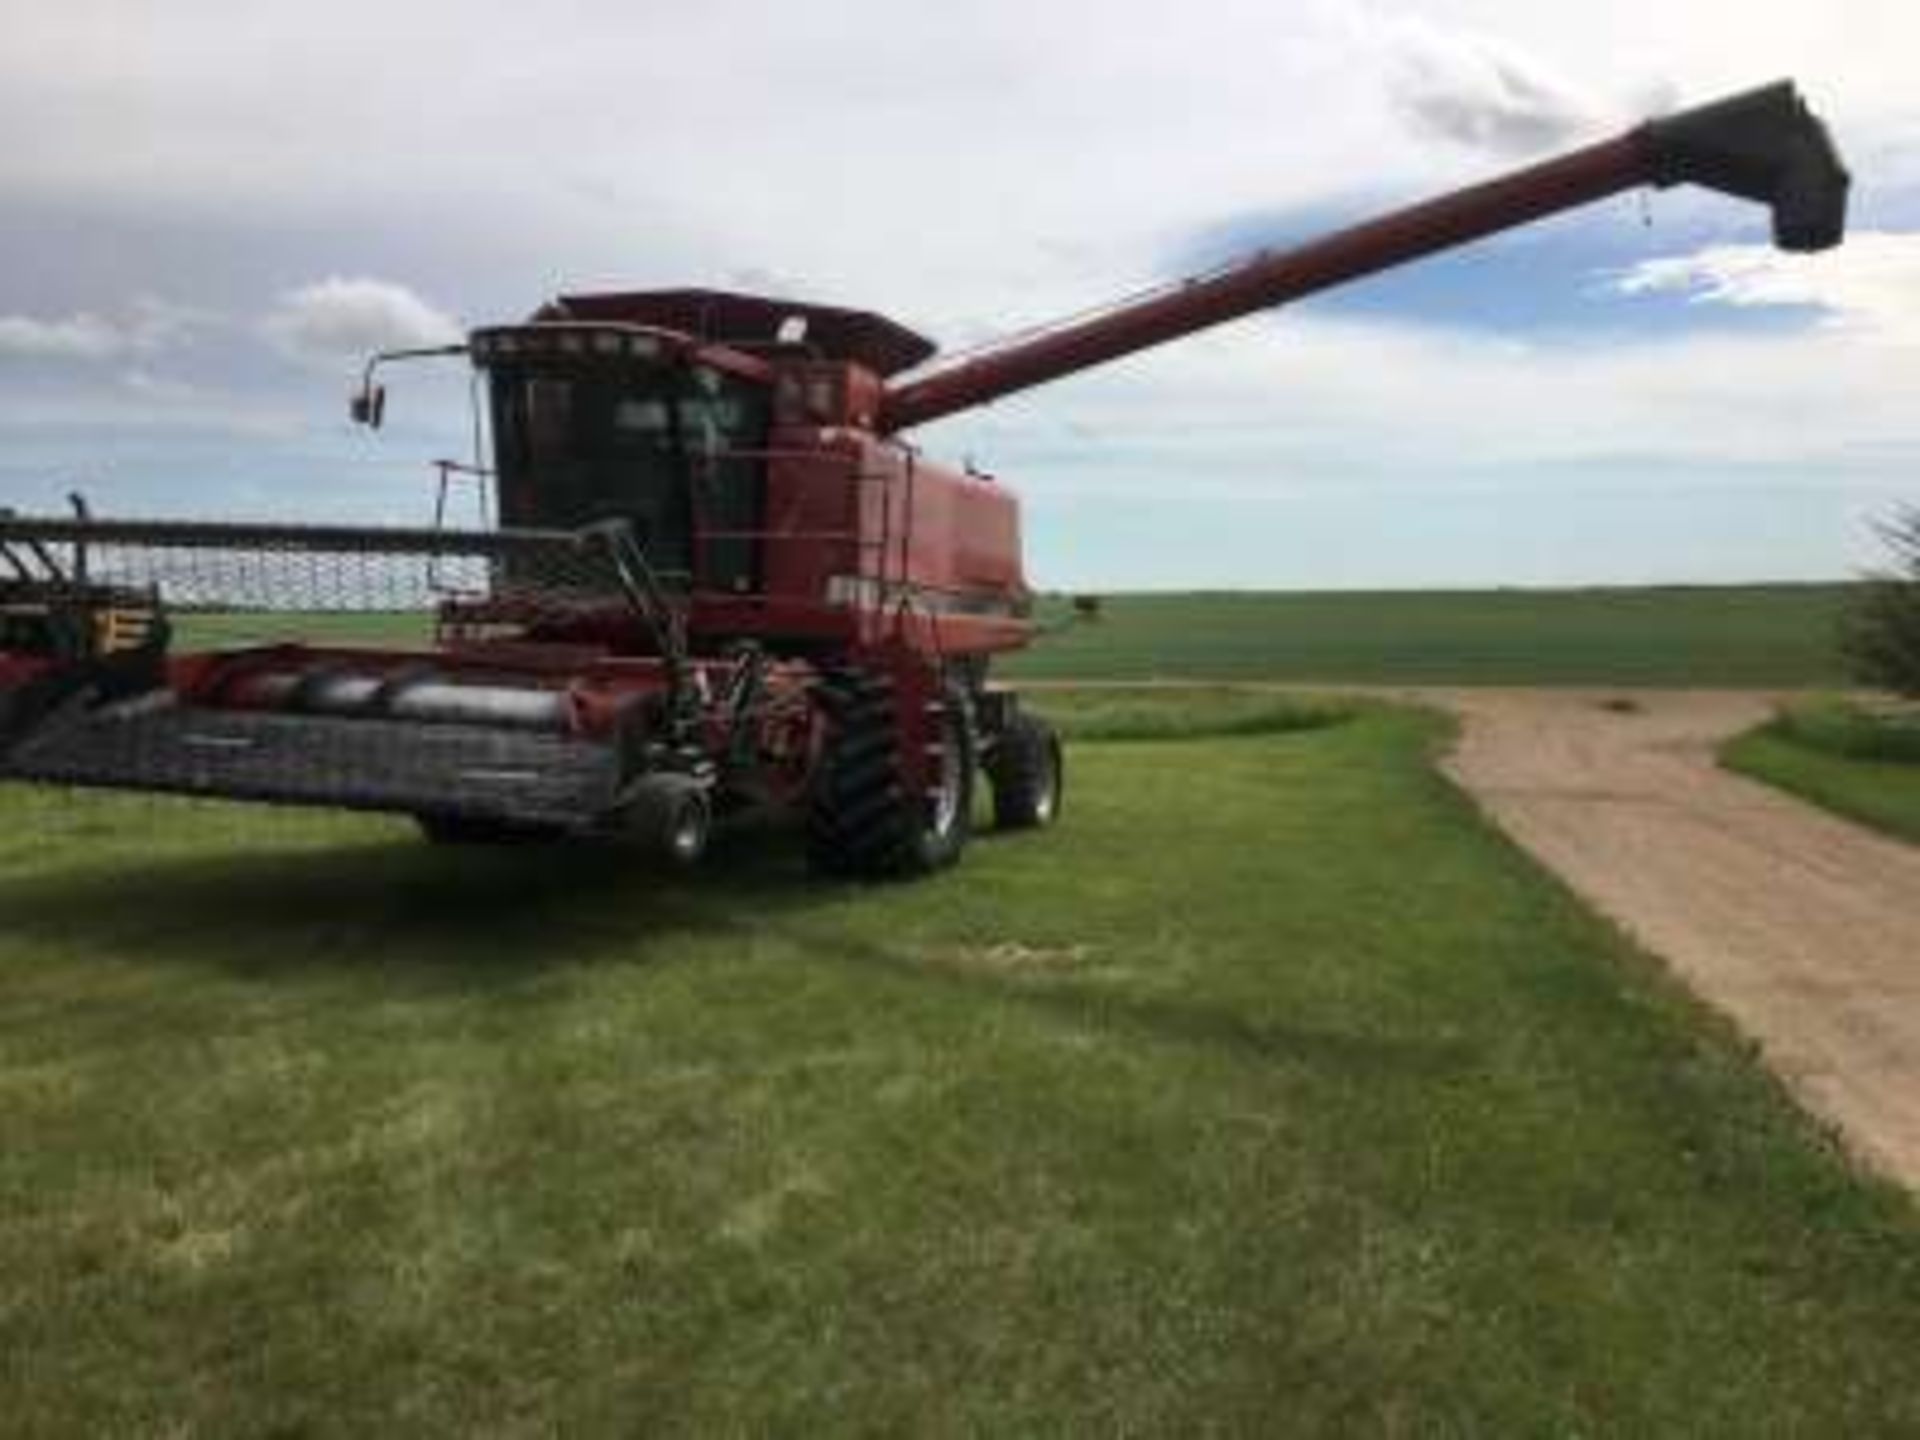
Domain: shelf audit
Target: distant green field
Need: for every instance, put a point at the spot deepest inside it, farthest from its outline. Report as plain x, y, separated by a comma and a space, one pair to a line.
1762, 635
331, 628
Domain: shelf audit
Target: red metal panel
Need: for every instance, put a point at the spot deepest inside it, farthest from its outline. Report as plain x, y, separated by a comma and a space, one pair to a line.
754, 322
965, 535
811, 488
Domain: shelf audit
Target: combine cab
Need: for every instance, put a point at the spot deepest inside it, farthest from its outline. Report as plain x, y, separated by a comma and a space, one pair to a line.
720, 578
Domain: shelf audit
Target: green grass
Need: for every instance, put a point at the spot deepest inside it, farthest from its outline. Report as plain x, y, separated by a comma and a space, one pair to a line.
1856, 763
1271, 1092
1187, 713
1759, 635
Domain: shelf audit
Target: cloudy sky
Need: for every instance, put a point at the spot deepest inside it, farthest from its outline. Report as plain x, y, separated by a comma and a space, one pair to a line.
208, 211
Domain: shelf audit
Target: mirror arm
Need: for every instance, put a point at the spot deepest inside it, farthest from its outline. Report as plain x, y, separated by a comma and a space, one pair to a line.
370, 404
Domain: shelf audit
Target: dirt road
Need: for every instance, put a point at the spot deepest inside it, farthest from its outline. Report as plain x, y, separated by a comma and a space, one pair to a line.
1803, 928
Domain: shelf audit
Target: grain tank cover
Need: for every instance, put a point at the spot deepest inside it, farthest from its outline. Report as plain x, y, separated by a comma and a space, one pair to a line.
758, 323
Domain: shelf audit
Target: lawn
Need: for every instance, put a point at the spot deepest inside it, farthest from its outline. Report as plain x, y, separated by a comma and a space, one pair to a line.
1839, 757
1272, 1091
1754, 635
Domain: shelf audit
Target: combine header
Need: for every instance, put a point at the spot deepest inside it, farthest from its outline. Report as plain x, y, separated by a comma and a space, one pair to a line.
719, 577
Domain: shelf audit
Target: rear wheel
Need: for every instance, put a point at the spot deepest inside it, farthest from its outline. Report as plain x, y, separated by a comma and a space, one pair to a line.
862, 818
1027, 774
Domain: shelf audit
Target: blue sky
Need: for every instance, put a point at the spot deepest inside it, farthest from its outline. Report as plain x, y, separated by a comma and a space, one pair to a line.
196, 238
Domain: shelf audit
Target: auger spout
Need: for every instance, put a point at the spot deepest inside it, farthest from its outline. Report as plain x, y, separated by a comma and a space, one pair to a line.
1763, 145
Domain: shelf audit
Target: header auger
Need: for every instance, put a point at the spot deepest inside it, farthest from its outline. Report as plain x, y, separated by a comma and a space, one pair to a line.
719, 578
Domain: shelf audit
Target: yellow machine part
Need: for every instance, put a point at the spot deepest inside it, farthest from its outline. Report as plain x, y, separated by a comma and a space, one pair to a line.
117, 630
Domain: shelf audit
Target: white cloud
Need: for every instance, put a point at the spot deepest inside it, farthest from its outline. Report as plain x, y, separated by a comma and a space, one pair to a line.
1311, 403
1346, 442
1481, 92
348, 319
78, 337
156, 324
1871, 284
151, 325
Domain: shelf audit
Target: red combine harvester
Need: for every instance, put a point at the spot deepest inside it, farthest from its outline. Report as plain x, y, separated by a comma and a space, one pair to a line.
719, 577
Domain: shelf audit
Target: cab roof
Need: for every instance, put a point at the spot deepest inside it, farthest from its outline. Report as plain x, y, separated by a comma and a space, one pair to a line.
754, 322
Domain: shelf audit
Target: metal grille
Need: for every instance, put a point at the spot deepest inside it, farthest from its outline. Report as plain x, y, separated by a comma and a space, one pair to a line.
324, 727
227, 584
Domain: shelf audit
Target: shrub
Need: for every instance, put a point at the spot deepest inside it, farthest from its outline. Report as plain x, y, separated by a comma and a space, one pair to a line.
1880, 629
1840, 727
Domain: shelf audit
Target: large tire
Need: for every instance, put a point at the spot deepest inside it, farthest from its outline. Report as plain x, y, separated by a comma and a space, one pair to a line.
862, 821
1028, 777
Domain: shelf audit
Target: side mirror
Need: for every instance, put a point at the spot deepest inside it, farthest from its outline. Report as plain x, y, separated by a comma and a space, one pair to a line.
369, 406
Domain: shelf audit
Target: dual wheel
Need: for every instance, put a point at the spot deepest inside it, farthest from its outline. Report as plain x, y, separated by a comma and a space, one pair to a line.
862, 818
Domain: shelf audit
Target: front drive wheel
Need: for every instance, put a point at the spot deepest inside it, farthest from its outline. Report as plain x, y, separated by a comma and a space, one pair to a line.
862, 819
1029, 778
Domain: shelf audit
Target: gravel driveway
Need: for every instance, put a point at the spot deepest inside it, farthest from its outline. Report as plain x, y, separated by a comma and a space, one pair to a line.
1804, 928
